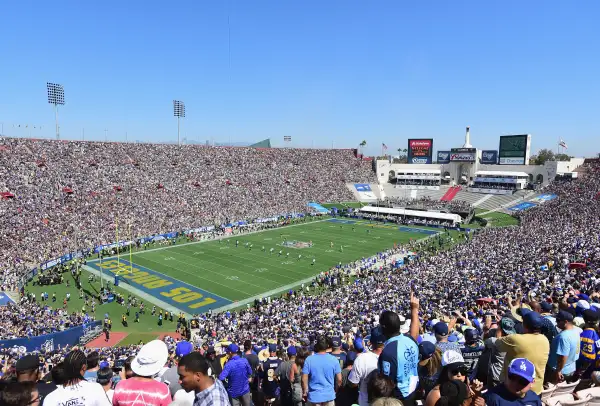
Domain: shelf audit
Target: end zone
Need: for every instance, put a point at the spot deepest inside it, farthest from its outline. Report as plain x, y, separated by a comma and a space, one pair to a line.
167, 289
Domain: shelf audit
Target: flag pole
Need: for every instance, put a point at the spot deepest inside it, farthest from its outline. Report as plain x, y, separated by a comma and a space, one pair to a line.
117, 235
130, 254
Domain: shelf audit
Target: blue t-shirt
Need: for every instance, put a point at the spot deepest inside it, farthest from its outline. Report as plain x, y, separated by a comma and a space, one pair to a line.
500, 396
90, 376
566, 343
399, 360
321, 370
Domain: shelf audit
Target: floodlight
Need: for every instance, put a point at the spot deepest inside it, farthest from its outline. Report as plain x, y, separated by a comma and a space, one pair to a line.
179, 112
56, 96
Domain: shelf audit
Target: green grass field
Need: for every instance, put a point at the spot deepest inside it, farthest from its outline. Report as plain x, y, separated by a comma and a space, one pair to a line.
197, 276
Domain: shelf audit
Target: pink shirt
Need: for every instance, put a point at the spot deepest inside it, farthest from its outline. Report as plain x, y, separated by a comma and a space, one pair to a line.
133, 392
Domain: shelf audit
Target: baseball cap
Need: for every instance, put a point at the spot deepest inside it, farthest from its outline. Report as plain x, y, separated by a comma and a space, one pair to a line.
546, 307
291, 350
27, 363
532, 320
104, 364
471, 335
377, 337
564, 316
336, 342
426, 350
358, 344
272, 347
508, 325
211, 350
183, 348
441, 329
233, 348
522, 367
452, 357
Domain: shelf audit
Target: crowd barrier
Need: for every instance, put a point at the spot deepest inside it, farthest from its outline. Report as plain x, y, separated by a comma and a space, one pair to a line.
49, 342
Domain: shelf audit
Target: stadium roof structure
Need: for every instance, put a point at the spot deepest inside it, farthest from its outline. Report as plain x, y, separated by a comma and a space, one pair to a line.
501, 173
262, 144
419, 170
413, 213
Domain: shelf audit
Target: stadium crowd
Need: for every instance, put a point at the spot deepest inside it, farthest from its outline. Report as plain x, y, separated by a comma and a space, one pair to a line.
68, 195
487, 322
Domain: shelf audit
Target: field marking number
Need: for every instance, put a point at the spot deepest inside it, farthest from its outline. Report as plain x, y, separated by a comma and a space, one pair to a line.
232, 278
169, 258
260, 270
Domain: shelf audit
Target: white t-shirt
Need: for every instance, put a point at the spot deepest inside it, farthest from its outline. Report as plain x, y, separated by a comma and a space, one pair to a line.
363, 366
83, 393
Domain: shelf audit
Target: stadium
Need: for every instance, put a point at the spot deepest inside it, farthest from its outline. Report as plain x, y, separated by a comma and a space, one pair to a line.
262, 268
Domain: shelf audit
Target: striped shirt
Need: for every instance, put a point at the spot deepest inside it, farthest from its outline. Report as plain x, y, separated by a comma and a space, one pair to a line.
135, 392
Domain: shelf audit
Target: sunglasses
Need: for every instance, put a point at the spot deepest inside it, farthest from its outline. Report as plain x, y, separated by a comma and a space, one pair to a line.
459, 370
519, 379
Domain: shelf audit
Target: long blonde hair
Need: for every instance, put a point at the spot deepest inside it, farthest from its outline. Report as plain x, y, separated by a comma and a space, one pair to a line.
434, 363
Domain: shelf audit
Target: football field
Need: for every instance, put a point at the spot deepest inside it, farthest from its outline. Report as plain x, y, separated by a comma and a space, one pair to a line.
198, 276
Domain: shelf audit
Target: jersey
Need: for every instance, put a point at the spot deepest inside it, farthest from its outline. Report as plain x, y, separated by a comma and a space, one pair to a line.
341, 357
589, 356
471, 355
270, 386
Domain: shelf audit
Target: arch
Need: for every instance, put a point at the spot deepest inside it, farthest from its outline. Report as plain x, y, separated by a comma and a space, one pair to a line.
539, 178
531, 177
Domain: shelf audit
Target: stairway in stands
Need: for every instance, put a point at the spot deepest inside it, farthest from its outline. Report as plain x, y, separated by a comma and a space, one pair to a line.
450, 194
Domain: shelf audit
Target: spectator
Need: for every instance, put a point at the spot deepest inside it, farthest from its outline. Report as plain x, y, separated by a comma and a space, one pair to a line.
170, 376
193, 375
76, 390
564, 350
296, 376
441, 331
237, 372
532, 346
105, 379
517, 388
495, 358
19, 394
454, 369
380, 386
142, 389
92, 366
320, 375
399, 358
27, 369
365, 365
430, 365
283, 376
472, 350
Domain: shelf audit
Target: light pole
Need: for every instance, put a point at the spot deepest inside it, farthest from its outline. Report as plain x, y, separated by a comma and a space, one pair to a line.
179, 112
105, 135
56, 96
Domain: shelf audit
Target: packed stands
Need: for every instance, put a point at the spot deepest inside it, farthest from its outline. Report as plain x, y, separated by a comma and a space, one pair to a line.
68, 194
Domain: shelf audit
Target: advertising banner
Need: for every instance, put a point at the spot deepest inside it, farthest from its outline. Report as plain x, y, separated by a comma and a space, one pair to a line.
462, 157
443, 157
420, 151
489, 157
50, 342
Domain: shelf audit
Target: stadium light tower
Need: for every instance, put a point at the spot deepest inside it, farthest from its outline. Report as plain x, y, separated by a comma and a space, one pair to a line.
56, 96
179, 112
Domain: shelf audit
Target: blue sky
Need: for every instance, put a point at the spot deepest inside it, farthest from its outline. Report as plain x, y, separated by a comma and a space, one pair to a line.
324, 72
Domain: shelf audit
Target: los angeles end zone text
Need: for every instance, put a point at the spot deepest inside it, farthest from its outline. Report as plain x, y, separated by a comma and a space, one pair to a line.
176, 293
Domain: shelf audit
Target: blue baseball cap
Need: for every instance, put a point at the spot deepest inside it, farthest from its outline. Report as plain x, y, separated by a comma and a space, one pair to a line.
377, 337
183, 348
358, 344
522, 367
272, 347
233, 348
104, 364
291, 350
532, 320
471, 335
336, 342
440, 329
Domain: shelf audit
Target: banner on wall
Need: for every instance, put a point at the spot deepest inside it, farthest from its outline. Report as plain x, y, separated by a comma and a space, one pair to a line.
50, 342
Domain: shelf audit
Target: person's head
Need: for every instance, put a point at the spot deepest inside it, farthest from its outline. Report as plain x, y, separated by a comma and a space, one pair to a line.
58, 374
532, 322
591, 318
454, 368
75, 365
20, 394
301, 356
247, 345
379, 386
387, 402
521, 375
92, 360
321, 345
232, 349
471, 336
452, 393
564, 320
193, 372
150, 359
211, 353
27, 368
507, 325
183, 348
441, 331
292, 351
273, 350
127, 367
377, 340
390, 324
105, 377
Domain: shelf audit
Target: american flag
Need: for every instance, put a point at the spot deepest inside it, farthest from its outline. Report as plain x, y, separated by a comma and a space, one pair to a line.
562, 144
383, 146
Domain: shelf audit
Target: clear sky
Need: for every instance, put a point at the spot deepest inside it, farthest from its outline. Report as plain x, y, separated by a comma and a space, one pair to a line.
324, 72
